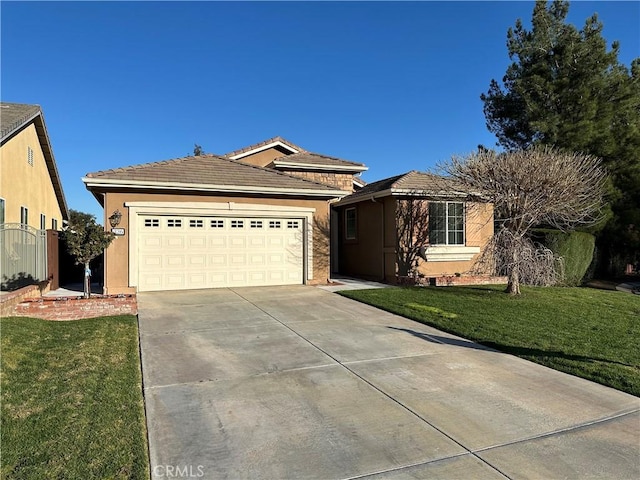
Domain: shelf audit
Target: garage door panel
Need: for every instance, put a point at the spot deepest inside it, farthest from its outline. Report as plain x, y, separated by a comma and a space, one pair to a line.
199, 241
174, 241
218, 241
217, 260
207, 252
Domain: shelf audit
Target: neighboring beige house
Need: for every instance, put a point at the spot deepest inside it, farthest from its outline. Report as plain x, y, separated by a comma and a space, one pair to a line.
30, 188
365, 229
250, 217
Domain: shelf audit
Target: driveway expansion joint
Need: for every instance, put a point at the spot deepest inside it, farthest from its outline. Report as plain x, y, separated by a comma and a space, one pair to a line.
562, 431
382, 392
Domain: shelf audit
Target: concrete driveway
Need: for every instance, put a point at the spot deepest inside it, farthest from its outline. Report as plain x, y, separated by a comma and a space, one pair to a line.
297, 382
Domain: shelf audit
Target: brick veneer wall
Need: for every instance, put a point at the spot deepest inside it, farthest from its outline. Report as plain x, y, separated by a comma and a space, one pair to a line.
452, 280
8, 301
76, 308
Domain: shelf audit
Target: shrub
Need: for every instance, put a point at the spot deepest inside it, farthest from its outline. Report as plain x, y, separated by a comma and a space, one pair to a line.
576, 249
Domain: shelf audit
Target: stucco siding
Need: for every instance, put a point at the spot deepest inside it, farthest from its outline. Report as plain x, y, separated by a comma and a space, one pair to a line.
263, 158
117, 254
24, 185
478, 232
363, 256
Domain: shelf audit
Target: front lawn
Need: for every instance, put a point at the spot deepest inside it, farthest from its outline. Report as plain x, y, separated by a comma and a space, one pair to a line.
72, 399
590, 333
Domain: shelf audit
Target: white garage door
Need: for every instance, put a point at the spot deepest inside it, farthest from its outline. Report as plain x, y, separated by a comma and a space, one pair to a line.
186, 252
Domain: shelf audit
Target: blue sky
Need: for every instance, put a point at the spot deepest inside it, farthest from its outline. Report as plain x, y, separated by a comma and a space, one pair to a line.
394, 85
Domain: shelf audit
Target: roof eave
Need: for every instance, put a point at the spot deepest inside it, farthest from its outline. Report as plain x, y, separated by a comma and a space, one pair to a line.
402, 192
45, 144
92, 183
262, 148
316, 166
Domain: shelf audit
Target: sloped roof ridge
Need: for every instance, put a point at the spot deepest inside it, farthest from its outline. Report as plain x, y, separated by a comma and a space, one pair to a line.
288, 157
271, 170
277, 138
149, 164
33, 111
132, 168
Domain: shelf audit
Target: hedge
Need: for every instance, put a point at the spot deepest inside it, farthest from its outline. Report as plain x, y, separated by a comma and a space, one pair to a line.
576, 248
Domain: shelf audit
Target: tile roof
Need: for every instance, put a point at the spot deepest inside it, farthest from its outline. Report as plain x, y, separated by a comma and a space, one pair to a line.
209, 170
413, 182
309, 158
13, 116
262, 144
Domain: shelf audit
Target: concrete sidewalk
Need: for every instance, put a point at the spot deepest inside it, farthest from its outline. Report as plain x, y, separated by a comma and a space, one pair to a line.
297, 382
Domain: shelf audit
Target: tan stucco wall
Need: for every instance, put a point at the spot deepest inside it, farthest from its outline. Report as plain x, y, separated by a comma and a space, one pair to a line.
24, 185
263, 158
373, 253
117, 254
478, 232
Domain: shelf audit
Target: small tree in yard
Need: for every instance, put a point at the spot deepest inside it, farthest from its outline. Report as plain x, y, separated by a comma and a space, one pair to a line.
85, 240
529, 188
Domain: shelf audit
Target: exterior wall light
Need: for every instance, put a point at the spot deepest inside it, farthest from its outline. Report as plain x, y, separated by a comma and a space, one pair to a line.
115, 218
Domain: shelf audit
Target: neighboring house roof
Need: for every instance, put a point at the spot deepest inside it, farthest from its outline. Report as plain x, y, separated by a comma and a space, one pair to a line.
14, 117
412, 183
208, 173
275, 142
315, 161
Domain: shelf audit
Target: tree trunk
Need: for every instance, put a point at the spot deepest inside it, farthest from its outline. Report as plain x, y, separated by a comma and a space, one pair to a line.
87, 281
513, 285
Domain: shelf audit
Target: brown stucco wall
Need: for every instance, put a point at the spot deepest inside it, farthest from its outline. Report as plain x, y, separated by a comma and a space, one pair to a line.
117, 254
363, 257
263, 158
24, 185
373, 253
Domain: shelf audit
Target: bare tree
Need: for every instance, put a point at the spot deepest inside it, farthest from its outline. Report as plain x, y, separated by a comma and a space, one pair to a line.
412, 223
532, 187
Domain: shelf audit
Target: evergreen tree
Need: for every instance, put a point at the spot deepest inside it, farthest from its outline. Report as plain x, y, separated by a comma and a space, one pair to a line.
564, 88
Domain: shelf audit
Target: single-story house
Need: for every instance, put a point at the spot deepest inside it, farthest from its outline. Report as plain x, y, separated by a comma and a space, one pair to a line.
271, 213
459, 226
250, 217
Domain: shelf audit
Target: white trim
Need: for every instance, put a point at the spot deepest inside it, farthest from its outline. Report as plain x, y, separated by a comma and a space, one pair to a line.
277, 143
450, 253
359, 182
279, 163
102, 182
346, 224
393, 192
228, 209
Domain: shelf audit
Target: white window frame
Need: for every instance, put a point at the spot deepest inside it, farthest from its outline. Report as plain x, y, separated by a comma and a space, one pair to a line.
446, 224
347, 234
24, 215
43, 221
3, 206
54, 223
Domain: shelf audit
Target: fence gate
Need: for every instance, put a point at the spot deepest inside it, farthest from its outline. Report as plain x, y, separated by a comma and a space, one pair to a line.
23, 255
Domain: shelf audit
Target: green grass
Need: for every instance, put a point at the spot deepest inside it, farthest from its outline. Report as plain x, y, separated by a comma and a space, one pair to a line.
72, 399
590, 333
